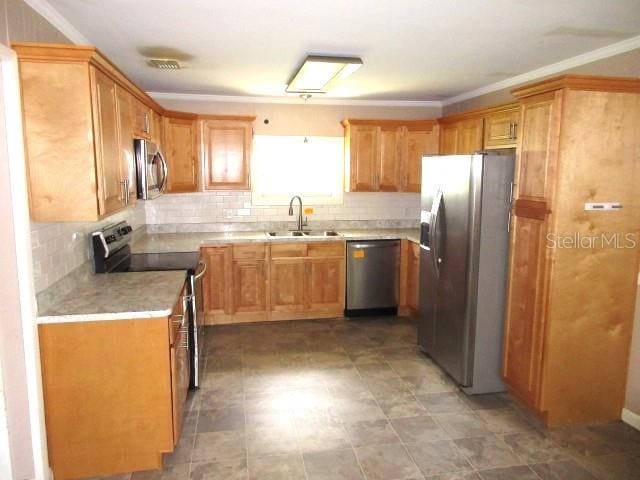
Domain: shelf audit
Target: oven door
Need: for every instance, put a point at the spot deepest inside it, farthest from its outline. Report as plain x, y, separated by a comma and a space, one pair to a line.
156, 172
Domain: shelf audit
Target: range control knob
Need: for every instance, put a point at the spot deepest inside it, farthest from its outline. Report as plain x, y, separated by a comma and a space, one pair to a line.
110, 239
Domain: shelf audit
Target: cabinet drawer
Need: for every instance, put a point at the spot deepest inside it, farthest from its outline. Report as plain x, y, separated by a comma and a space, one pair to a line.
326, 249
289, 250
249, 252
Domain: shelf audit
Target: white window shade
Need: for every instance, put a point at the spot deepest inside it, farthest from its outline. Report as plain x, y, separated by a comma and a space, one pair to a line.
284, 166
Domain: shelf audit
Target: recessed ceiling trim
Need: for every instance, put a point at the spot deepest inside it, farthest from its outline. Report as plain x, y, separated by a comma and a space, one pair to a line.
582, 59
201, 97
45, 9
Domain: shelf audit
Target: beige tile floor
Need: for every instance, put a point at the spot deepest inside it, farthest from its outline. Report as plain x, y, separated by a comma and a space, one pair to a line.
355, 399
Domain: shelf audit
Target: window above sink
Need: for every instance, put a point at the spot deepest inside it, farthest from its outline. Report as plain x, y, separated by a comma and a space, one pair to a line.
284, 166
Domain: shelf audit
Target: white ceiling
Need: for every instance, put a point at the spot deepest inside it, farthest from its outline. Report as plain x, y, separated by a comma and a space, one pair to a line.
412, 49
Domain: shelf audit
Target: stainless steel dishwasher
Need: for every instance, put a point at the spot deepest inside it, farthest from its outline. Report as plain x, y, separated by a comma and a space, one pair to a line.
373, 272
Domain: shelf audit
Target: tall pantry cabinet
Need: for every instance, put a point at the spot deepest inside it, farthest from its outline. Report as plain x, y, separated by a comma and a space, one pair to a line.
571, 293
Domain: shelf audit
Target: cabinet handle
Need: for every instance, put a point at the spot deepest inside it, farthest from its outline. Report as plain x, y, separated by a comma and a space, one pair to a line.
128, 190
515, 131
146, 123
123, 190
509, 222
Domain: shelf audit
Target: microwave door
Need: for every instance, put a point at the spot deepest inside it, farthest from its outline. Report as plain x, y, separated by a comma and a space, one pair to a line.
156, 174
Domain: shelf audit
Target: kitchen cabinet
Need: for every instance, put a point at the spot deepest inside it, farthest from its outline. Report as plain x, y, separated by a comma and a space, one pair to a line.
77, 132
409, 278
217, 281
461, 137
385, 155
501, 128
157, 130
307, 280
142, 120
114, 393
125, 130
226, 152
274, 281
569, 309
181, 152
249, 283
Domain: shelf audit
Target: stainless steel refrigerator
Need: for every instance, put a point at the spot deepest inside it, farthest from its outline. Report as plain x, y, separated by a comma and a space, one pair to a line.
464, 240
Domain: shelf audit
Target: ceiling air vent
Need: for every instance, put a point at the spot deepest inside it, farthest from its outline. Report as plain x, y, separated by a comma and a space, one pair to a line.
164, 64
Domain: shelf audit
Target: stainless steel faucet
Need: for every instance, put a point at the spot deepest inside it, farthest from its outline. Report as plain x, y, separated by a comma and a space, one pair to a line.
300, 222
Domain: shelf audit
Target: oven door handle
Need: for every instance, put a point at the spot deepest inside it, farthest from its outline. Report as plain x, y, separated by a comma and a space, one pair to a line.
200, 274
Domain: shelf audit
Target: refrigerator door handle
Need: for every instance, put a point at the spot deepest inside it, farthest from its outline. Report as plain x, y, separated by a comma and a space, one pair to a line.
435, 250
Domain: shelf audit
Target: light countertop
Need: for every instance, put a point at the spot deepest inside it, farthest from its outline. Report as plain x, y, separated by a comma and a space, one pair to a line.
117, 296
191, 242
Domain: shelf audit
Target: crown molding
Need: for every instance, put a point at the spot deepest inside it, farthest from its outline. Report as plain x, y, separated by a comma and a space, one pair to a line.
293, 100
56, 19
582, 59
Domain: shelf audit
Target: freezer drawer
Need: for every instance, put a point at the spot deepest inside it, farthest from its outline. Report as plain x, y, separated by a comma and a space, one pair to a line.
373, 274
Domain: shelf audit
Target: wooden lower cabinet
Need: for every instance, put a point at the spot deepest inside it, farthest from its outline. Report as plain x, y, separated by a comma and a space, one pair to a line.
114, 393
280, 281
288, 278
409, 278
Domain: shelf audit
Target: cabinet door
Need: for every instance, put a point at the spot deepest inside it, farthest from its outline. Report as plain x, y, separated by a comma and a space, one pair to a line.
364, 148
179, 357
227, 153
449, 139
501, 129
217, 280
416, 144
469, 136
125, 128
388, 174
524, 327
142, 120
181, 154
288, 280
326, 283
249, 286
536, 165
413, 275
157, 130
111, 192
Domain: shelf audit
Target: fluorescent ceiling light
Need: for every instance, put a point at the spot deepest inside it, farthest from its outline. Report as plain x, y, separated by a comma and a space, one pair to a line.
319, 74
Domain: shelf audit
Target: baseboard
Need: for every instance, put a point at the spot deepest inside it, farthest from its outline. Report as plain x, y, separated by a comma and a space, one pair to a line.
631, 418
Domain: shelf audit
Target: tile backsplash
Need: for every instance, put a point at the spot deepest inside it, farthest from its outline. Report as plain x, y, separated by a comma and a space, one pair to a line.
59, 248
215, 209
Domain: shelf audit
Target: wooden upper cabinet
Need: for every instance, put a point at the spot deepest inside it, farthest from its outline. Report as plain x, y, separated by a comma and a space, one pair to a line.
470, 136
125, 128
416, 144
449, 139
364, 146
227, 153
181, 154
540, 117
157, 130
388, 171
78, 132
386, 155
111, 174
501, 128
142, 120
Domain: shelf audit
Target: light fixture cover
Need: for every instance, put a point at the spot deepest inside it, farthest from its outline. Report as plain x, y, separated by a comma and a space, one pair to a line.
164, 64
318, 74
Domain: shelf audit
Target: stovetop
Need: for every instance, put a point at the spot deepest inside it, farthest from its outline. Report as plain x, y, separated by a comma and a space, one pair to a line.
147, 262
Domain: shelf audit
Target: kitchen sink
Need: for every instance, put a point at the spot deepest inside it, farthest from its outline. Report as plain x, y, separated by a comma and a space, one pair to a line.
286, 233
322, 233
303, 233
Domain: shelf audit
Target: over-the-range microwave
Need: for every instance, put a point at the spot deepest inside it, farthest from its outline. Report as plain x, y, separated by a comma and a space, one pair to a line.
151, 169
